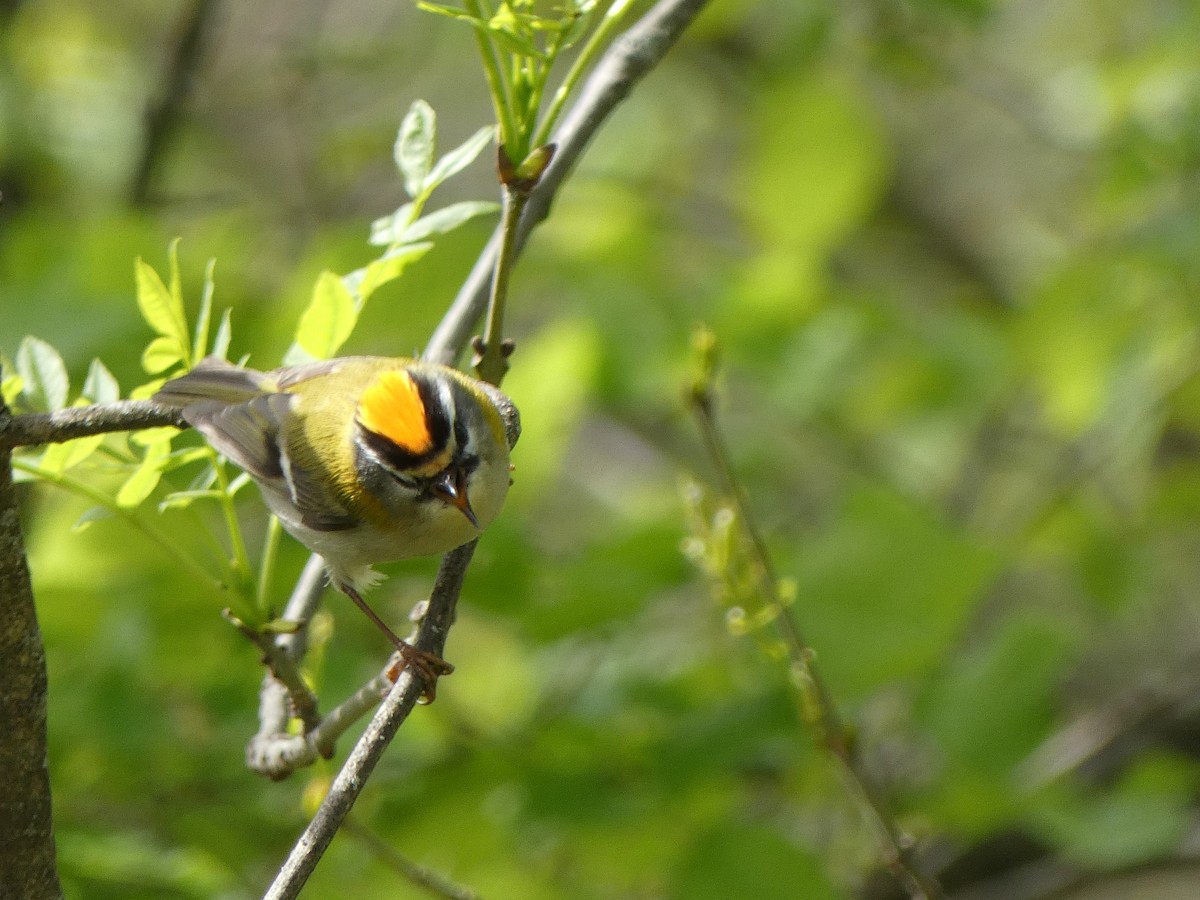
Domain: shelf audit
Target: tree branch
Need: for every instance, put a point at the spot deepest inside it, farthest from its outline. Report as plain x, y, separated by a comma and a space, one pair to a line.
27, 854
82, 421
431, 637
625, 63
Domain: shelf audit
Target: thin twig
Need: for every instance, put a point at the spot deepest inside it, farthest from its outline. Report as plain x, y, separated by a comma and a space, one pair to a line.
493, 358
273, 751
433, 883
818, 706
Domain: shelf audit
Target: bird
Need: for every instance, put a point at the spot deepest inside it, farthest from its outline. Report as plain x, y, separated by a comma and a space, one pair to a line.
363, 459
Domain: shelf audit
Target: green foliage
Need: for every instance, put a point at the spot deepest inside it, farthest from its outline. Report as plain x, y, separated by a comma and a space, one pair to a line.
337, 301
950, 255
518, 47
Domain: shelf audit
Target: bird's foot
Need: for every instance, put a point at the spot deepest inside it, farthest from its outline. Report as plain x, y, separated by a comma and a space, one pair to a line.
428, 667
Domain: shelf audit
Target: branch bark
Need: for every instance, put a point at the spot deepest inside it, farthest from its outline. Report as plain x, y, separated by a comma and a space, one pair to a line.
82, 421
27, 853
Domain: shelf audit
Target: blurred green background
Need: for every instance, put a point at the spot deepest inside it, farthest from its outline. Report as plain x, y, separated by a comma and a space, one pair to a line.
950, 249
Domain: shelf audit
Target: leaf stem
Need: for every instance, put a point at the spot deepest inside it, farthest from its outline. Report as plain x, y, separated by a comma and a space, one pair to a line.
498, 86
582, 65
95, 495
492, 363
240, 563
266, 566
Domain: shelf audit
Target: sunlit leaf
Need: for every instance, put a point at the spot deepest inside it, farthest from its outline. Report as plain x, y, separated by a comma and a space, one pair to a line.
512, 32
329, 319
367, 280
148, 437
11, 388
447, 219
461, 156
147, 390
162, 307
58, 458
200, 332
415, 146
220, 344
160, 354
101, 385
386, 230
45, 384
451, 12
144, 480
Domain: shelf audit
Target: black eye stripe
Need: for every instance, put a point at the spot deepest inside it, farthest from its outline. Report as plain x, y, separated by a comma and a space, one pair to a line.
436, 413
461, 436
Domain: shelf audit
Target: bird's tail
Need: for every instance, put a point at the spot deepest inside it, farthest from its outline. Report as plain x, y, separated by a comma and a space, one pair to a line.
214, 379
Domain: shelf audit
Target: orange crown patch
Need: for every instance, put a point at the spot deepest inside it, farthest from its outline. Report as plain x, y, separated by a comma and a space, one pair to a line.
392, 408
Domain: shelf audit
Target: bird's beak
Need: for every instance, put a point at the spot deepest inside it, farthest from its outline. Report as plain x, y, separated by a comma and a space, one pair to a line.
451, 486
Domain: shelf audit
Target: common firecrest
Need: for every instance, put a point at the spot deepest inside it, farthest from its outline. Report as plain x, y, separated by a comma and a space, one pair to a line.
364, 459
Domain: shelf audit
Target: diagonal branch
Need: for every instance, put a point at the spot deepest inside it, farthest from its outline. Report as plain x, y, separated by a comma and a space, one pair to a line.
629, 59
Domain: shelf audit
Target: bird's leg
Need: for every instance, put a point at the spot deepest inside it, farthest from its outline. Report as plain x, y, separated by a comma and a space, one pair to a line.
428, 666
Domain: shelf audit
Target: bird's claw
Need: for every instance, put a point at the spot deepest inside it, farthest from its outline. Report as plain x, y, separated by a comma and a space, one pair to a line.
428, 667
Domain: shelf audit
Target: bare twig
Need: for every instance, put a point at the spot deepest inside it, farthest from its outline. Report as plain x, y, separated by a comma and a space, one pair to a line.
82, 421
273, 751
433, 883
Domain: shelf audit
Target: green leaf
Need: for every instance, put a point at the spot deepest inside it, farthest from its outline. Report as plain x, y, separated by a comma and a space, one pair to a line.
162, 308
329, 319
387, 230
148, 437
11, 388
451, 12
220, 344
200, 332
461, 156
388, 267
45, 383
144, 480
147, 390
101, 385
415, 146
447, 219
59, 457
513, 32
160, 354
